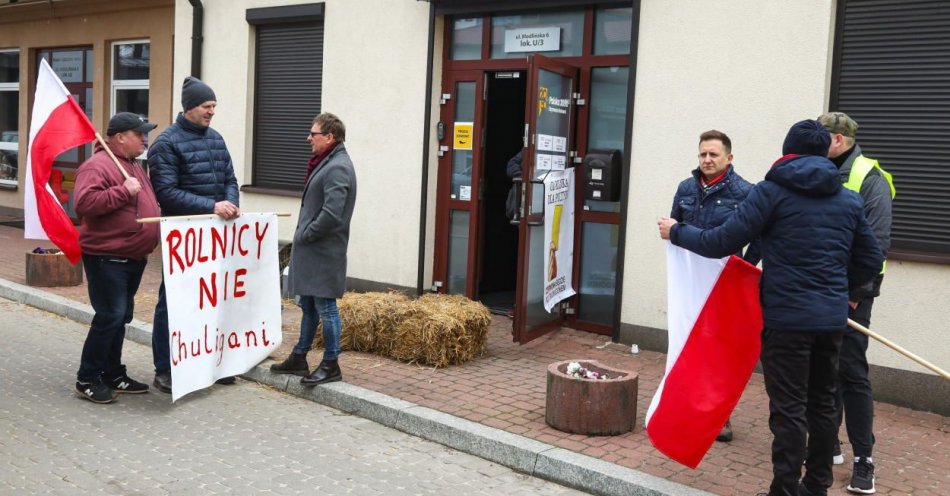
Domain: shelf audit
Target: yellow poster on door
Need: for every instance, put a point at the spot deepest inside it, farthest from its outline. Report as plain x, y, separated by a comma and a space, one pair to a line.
463, 135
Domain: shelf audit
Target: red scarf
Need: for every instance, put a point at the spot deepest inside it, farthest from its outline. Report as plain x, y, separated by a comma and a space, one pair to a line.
315, 161
715, 179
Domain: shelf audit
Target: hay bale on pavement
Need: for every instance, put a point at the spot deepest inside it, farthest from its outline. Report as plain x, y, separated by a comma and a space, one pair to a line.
435, 329
365, 316
442, 330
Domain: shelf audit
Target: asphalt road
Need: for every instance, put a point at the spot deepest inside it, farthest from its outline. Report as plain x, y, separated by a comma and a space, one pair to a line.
242, 439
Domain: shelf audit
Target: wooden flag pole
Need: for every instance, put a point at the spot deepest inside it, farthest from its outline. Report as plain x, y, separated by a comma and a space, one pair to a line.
109, 151
894, 346
152, 220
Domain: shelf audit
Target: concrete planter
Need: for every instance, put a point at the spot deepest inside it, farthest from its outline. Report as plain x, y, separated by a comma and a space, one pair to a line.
597, 407
52, 269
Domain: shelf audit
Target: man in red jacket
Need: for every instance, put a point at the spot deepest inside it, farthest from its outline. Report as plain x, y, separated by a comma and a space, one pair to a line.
115, 249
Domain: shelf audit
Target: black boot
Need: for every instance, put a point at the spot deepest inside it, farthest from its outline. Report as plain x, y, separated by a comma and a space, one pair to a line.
327, 371
294, 364
725, 435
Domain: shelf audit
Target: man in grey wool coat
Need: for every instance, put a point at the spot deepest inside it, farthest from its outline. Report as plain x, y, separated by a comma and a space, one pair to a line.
318, 256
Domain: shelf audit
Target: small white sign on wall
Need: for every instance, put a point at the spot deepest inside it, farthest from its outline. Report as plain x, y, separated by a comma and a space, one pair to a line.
540, 39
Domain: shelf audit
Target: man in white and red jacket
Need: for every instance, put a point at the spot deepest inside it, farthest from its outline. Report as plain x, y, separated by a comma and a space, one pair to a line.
115, 250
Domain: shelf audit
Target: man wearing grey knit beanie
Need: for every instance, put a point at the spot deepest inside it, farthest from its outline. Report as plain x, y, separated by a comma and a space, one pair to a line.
192, 174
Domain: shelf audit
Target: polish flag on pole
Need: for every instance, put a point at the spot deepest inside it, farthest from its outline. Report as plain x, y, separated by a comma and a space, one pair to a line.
58, 124
715, 326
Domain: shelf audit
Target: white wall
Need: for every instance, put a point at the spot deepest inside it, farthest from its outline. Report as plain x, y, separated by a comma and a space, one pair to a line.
374, 76
749, 68
910, 312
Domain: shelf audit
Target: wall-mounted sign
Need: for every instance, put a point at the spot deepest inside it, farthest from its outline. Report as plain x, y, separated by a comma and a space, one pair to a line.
541, 39
68, 66
463, 135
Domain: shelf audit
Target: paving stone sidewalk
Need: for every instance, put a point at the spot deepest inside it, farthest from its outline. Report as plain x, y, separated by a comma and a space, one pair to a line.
505, 390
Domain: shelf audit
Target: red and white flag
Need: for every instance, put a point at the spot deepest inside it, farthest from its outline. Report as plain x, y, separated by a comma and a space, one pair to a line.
715, 326
58, 124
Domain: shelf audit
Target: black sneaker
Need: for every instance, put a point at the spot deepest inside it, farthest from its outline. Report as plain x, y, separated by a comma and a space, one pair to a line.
95, 391
125, 384
862, 477
725, 435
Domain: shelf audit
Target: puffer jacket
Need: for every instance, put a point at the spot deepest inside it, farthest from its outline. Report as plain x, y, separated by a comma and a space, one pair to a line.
711, 209
815, 242
191, 169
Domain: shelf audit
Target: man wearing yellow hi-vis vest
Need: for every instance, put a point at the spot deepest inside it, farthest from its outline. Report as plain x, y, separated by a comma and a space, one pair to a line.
866, 177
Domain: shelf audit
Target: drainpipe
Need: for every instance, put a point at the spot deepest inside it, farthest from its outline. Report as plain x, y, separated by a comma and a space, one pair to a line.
424, 200
197, 21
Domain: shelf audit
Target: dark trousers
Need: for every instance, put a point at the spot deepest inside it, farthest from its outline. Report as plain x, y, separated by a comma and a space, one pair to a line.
112, 283
800, 371
854, 398
160, 351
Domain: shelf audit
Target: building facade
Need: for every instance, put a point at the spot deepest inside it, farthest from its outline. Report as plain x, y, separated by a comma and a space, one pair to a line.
111, 56
439, 95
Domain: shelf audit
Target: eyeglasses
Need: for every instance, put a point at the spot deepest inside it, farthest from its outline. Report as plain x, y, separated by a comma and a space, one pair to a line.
312, 134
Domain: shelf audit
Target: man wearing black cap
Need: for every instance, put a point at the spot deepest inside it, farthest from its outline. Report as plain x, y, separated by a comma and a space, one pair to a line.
192, 174
815, 245
854, 400
115, 248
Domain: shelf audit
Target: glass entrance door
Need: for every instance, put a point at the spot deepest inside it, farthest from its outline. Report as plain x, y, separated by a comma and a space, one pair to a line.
457, 204
550, 131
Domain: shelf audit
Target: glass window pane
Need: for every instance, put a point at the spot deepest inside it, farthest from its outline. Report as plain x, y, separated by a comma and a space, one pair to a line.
132, 100
608, 118
535, 314
462, 159
9, 67
9, 137
131, 61
598, 278
89, 65
458, 252
467, 39
612, 31
570, 24
68, 65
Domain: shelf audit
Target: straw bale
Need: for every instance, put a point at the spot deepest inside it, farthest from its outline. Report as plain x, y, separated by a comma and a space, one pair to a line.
442, 330
435, 329
364, 316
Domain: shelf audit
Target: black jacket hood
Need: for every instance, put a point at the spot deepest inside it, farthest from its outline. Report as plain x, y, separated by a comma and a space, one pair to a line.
809, 175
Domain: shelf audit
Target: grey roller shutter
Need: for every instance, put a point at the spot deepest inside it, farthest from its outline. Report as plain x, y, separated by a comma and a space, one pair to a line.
893, 77
289, 75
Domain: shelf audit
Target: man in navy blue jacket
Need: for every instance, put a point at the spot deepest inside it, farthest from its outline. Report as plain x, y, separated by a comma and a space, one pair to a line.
710, 196
191, 173
815, 245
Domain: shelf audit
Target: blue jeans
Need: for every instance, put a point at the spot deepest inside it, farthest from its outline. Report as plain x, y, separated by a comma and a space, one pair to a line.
314, 310
112, 283
160, 353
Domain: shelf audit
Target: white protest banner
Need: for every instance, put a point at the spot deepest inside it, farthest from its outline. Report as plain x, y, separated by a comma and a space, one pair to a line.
223, 291
558, 236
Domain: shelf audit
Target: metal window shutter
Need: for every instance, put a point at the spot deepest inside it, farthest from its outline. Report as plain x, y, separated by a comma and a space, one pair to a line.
894, 80
289, 75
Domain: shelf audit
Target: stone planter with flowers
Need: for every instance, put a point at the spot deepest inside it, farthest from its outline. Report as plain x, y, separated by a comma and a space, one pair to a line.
585, 397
